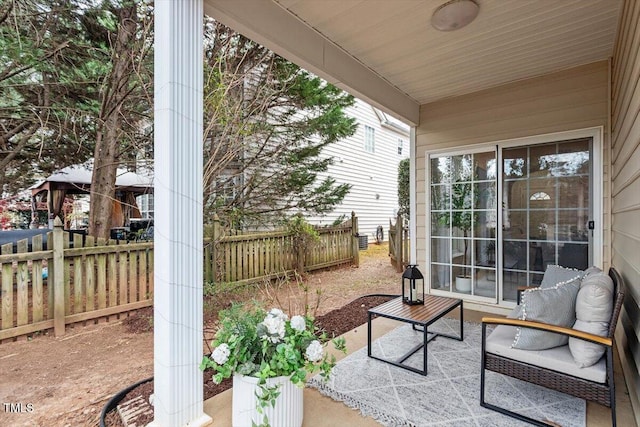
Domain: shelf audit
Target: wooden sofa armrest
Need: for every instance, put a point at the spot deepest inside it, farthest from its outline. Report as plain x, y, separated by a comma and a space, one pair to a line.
551, 328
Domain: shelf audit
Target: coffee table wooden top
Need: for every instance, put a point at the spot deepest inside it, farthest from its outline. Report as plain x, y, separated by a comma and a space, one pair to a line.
434, 307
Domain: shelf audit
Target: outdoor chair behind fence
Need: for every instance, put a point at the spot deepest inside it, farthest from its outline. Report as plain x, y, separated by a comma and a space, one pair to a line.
78, 279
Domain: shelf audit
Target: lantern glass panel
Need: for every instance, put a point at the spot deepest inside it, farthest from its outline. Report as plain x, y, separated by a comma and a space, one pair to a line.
412, 286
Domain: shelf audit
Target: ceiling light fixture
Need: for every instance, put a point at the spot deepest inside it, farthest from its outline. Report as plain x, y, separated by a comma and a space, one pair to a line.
454, 14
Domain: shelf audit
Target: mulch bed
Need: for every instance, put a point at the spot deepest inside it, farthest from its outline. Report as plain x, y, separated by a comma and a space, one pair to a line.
335, 323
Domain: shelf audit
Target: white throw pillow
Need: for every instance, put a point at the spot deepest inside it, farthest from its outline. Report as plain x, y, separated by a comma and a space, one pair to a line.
591, 270
587, 353
555, 306
594, 306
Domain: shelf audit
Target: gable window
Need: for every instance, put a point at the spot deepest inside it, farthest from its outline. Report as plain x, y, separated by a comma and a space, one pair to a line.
369, 139
400, 146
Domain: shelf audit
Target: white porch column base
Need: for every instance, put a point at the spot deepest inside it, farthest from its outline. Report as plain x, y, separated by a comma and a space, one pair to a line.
204, 421
178, 244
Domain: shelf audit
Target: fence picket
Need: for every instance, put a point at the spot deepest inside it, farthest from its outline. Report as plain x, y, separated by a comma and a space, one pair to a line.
78, 288
67, 277
22, 280
36, 281
7, 288
150, 279
122, 278
50, 274
90, 275
133, 276
233, 266
90, 283
207, 265
112, 275
142, 276
97, 274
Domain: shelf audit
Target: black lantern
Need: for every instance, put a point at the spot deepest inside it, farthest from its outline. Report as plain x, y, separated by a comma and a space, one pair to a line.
412, 286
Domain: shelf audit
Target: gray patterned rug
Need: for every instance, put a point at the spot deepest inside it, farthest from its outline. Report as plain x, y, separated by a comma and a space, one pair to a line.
449, 394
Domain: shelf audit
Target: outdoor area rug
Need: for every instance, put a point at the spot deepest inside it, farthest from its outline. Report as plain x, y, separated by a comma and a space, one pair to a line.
450, 393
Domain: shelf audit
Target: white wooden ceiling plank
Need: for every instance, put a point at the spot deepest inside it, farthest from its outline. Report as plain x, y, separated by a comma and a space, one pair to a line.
599, 42
510, 40
500, 44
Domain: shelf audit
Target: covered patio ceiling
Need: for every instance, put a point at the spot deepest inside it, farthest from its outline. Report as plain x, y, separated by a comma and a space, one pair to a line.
387, 52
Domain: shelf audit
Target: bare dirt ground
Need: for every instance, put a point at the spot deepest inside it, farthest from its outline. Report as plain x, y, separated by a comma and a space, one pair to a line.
66, 381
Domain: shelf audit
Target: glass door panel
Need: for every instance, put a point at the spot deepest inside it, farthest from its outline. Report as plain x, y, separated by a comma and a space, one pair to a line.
546, 209
463, 223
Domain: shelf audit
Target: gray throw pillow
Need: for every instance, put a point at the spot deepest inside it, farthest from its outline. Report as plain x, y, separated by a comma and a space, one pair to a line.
516, 313
556, 274
555, 306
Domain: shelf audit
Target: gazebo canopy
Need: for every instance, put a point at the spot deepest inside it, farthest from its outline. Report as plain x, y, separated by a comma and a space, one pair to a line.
76, 179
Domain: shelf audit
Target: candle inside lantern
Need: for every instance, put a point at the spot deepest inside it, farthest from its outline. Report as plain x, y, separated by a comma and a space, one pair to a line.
412, 286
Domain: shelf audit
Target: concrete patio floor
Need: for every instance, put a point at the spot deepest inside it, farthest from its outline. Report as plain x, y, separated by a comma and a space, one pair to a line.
321, 411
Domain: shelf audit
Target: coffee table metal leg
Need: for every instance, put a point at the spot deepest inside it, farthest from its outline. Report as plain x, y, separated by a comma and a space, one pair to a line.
424, 349
461, 322
369, 336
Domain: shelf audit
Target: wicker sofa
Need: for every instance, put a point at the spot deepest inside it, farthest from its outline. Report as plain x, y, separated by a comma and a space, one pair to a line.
555, 367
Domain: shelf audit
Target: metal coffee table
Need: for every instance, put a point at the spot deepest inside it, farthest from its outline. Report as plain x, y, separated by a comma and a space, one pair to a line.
434, 308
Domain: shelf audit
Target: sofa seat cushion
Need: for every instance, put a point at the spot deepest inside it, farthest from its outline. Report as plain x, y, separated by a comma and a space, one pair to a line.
557, 358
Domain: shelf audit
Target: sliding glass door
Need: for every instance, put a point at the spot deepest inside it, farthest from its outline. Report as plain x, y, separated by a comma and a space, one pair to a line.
486, 245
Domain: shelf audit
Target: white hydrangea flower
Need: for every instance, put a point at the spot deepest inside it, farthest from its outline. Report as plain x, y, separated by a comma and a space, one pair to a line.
314, 352
275, 328
298, 323
276, 312
221, 354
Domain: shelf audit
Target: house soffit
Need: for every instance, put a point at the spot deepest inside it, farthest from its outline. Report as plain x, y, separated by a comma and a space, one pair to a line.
387, 53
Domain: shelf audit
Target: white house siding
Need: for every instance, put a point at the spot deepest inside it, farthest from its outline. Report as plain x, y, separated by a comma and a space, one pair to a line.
567, 100
625, 189
373, 176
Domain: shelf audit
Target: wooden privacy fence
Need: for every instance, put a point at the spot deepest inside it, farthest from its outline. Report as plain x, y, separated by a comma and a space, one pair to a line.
80, 279
399, 244
254, 257
54, 285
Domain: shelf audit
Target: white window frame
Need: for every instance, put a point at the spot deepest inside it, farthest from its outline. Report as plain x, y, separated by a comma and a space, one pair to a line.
369, 139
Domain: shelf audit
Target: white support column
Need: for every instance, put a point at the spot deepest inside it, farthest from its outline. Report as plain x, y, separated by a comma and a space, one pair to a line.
178, 396
412, 199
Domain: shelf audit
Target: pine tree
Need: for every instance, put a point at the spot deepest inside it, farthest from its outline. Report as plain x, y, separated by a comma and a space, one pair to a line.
268, 121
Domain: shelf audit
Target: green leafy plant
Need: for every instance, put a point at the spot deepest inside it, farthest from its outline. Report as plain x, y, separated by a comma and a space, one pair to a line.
462, 199
304, 236
404, 189
253, 342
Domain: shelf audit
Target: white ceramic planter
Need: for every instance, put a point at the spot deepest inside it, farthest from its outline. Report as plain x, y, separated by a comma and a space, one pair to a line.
463, 284
288, 409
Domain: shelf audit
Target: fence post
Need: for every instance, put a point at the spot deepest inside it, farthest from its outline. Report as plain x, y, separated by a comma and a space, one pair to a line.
390, 241
398, 243
356, 242
58, 278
